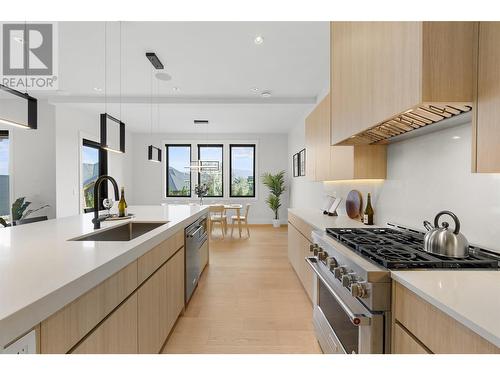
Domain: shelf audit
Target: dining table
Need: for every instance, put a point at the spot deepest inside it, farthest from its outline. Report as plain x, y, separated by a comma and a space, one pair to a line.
233, 207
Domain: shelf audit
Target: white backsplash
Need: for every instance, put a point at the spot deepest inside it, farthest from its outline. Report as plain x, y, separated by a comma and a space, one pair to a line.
426, 174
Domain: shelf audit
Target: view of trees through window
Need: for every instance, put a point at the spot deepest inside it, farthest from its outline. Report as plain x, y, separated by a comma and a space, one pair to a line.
4, 174
213, 179
90, 172
242, 170
178, 176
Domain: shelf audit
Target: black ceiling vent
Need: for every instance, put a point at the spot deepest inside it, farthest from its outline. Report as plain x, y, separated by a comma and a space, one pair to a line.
154, 60
201, 122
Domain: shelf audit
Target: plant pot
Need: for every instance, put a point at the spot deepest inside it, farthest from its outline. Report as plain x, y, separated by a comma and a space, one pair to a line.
276, 223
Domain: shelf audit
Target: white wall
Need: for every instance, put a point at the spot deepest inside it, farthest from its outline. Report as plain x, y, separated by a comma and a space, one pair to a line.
71, 126
32, 161
426, 174
148, 184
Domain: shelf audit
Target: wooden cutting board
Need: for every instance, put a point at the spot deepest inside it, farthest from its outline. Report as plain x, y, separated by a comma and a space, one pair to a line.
354, 204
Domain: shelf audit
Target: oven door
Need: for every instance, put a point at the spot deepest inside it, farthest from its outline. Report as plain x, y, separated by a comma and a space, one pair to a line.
343, 325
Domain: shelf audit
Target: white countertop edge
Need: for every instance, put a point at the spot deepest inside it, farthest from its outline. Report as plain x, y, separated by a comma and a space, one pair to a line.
24, 320
487, 335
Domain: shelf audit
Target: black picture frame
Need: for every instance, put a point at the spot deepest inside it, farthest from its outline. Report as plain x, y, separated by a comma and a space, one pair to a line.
104, 132
302, 162
295, 165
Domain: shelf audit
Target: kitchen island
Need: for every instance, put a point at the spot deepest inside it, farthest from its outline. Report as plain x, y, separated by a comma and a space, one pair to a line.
42, 270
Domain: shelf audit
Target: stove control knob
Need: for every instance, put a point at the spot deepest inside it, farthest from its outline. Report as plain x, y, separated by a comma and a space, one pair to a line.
312, 247
331, 262
348, 279
339, 271
322, 255
359, 290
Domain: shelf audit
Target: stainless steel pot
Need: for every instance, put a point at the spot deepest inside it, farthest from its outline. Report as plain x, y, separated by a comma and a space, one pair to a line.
440, 240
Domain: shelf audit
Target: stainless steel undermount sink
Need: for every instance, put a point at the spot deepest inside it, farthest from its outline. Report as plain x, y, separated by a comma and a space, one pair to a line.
124, 232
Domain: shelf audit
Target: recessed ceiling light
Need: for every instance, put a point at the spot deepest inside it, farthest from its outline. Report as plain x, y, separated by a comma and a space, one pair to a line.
258, 40
456, 137
98, 89
176, 88
254, 89
266, 94
163, 76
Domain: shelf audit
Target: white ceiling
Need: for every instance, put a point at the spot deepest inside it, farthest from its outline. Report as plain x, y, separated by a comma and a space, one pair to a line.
215, 65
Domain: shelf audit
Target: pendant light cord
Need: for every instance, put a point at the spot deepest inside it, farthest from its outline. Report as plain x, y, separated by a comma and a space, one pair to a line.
120, 71
105, 67
151, 106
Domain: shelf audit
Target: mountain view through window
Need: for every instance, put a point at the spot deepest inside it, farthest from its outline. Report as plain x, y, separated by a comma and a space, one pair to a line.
178, 177
242, 171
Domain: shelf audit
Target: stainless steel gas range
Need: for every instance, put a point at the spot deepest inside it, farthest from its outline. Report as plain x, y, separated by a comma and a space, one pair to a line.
352, 311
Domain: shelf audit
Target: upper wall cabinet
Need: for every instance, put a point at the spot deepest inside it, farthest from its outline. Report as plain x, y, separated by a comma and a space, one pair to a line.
327, 163
388, 78
486, 156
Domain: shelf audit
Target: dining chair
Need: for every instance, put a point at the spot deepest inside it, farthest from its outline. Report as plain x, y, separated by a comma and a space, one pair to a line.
217, 215
243, 219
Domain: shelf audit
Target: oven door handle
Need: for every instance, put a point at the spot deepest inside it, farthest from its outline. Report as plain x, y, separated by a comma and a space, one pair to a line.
356, 319
196, 231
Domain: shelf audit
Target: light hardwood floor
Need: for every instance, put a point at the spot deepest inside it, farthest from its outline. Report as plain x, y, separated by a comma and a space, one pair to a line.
249, 300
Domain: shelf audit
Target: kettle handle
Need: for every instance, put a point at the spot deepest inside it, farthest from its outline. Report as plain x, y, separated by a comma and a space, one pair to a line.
453, 216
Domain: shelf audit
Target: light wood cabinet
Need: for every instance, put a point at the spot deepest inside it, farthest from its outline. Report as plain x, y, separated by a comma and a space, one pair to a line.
382, 69
486, 130
160, 301
329, 163
62, 330
149, 262
175, 288
298, 249
431, 328
115, 335
405, 343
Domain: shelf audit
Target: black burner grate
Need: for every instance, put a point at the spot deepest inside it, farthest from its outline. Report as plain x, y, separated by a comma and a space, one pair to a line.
394, 249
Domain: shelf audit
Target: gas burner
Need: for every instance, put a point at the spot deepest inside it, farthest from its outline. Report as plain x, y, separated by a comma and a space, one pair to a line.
396, 254
400, 249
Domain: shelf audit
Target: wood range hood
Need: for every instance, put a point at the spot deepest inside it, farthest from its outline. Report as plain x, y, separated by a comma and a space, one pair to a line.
402, 79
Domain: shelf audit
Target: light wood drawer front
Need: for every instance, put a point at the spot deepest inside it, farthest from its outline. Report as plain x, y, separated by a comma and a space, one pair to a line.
298, 249
153, 259
175, 288
301, 225
436, 330
204, 255
405, 344
116, 335
61, 331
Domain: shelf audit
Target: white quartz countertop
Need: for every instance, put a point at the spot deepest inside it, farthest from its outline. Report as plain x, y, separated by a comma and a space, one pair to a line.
315, 218
41, 270
471, 297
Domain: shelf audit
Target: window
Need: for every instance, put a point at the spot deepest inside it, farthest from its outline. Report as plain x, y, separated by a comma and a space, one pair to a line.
178, 176
94, 164
4, 175
213, 179
242, 170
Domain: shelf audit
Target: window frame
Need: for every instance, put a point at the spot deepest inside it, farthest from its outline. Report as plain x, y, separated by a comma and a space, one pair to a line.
167, 145
212, 145
252, 145
103, 169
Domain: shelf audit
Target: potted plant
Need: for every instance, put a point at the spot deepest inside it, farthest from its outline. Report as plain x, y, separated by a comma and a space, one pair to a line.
201, 191
20, 211
276, 185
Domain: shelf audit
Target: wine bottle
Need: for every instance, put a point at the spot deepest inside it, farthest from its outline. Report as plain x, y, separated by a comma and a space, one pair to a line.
368, 214
122, 204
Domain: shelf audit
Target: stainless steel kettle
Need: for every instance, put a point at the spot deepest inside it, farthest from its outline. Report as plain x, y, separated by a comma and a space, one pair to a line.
440, 240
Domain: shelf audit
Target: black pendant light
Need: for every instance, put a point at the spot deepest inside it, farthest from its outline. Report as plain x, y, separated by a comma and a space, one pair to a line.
31, 102
154, 153
106, 120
